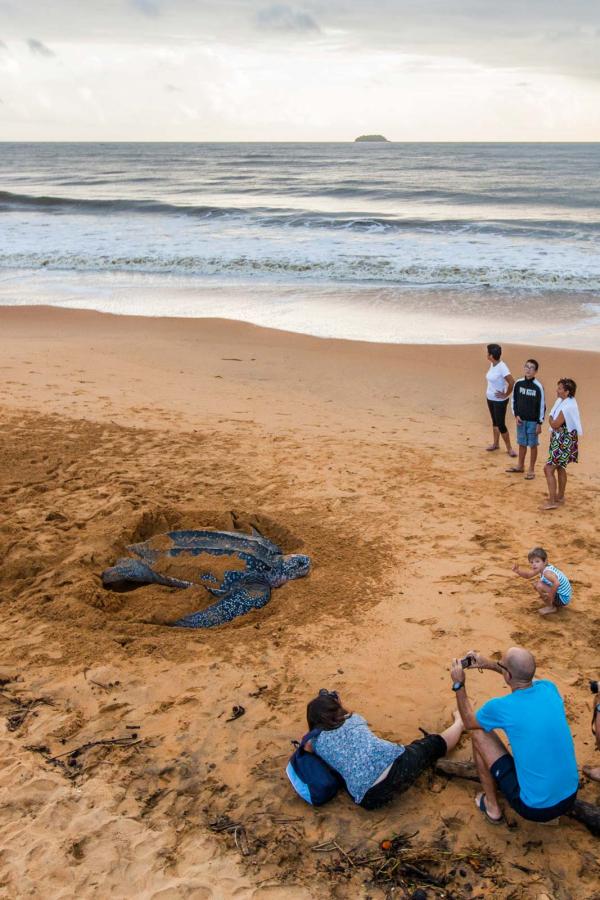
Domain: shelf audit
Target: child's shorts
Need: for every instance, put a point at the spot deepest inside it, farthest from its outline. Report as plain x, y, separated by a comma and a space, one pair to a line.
527, 435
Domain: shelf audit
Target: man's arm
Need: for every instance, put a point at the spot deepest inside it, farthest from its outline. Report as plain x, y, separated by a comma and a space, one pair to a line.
465, 709
481, 662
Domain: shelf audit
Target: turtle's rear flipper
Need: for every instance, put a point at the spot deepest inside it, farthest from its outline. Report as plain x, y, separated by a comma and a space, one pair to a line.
238, 601
128, 574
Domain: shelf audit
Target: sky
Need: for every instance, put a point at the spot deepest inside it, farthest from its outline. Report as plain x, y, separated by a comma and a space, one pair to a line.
321, 70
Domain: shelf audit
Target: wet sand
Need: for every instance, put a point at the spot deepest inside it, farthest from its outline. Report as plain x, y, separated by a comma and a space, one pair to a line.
368, 457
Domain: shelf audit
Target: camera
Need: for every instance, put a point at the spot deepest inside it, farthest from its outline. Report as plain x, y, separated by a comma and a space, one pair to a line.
594, 686
469, 661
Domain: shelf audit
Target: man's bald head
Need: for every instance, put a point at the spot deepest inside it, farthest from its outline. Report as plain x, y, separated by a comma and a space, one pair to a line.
520, 663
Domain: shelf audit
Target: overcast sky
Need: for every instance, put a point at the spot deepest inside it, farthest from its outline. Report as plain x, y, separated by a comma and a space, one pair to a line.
221, 70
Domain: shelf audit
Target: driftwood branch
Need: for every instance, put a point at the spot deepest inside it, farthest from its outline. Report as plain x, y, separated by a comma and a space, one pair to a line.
128, 741
466, 770
586, 813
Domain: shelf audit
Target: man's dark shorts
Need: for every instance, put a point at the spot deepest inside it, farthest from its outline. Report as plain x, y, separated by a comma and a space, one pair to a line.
405, 770
505, 775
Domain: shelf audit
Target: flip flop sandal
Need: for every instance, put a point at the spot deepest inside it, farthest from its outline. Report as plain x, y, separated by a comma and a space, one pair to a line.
514, 469
482, 808
236, 712
530, 476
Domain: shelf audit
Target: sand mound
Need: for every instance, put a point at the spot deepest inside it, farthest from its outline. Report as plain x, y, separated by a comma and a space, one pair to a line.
153, 524
190, 567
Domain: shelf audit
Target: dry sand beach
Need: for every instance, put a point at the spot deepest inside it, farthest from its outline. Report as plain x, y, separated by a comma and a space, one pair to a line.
368, 457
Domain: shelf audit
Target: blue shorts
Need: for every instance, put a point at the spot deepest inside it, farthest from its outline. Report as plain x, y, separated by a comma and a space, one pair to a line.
527, 434
505, 775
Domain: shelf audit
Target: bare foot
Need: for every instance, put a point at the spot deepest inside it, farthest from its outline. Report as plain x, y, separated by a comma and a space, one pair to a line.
549, 505
530, 476
547, 610
560, 499
592, 772
493, 447
512, 453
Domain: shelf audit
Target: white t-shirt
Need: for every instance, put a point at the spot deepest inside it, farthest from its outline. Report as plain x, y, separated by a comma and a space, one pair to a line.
496, 380
568, 407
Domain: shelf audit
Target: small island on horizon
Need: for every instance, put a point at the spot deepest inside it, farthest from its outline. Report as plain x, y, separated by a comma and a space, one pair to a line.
371, 137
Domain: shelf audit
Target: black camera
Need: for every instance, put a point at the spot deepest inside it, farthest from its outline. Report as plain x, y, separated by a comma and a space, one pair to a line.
467, 662
594, 686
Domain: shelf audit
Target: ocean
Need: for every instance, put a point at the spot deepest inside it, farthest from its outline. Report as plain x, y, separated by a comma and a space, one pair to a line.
385, 242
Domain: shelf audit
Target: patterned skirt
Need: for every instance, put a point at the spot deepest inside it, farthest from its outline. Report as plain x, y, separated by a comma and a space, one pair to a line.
564, 448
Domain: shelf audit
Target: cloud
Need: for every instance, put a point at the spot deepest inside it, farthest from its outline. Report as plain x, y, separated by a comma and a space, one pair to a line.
37, 47
279, 17
539, 35
147, 7
172, 89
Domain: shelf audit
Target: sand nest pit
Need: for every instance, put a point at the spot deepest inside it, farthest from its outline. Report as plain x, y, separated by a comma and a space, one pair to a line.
350, 565
158, 604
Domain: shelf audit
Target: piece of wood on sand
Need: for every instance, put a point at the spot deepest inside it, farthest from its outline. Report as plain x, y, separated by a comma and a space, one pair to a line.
586, 813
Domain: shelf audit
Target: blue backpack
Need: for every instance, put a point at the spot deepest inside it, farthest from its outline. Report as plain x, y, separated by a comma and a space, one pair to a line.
310, 776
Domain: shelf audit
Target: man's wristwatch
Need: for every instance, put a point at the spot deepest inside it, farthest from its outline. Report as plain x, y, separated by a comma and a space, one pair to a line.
458, 685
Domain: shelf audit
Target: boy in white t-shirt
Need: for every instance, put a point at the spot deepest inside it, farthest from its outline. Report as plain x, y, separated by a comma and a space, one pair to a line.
499, 387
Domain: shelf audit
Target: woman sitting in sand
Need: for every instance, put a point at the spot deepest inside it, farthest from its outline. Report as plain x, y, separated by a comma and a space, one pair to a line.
372, 768
565, 428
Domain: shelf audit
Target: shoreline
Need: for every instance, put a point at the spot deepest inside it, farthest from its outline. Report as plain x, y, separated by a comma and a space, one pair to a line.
383, 314
371, 455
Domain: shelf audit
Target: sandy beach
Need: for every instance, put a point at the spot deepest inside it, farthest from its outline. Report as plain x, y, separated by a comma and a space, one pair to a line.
368, 457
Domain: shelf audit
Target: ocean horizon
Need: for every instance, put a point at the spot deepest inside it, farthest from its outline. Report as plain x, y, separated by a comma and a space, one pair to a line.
420, 242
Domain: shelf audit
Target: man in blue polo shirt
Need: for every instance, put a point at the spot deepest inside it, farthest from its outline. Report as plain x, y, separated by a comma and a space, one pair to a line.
539, 779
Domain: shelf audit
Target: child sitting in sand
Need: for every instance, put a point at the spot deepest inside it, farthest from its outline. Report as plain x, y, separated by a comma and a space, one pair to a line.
553, 586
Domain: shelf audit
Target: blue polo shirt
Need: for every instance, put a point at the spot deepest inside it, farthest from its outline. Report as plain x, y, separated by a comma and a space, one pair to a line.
535, 723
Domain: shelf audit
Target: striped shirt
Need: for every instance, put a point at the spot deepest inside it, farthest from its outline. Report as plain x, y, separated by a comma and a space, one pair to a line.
565, 590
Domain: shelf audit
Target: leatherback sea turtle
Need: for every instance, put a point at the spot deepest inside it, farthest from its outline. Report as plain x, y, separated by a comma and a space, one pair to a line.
239, 591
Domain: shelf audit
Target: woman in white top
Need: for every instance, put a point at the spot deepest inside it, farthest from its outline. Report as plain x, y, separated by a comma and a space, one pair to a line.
565, 430
499, 387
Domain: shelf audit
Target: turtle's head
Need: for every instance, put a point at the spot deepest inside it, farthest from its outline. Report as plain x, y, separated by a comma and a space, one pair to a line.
294, 566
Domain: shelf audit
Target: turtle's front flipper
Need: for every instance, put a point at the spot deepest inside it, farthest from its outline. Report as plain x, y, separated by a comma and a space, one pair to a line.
130, 573
238, 601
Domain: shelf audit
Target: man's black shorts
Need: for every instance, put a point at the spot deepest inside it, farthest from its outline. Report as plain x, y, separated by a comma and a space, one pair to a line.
505, 775
417, 757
